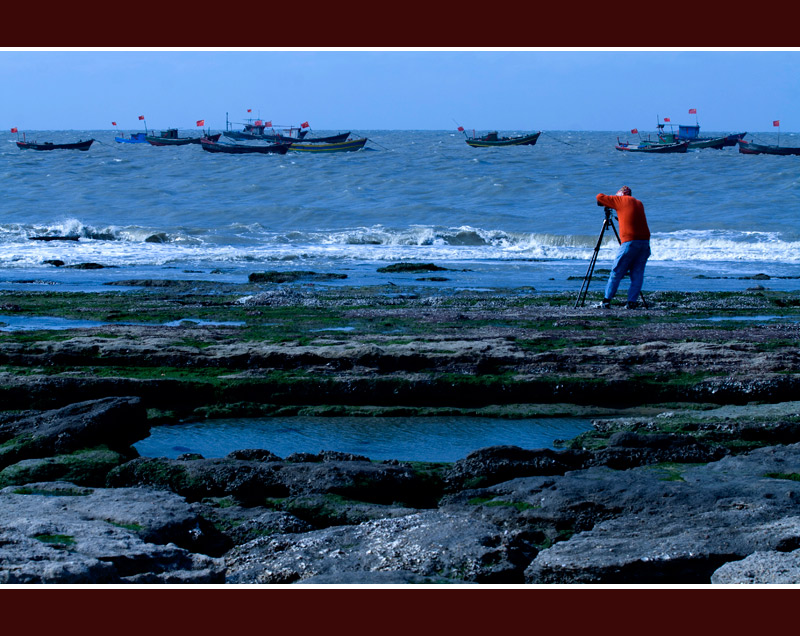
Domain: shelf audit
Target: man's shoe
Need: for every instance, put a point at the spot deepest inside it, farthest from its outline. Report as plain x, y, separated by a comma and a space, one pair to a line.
632, 305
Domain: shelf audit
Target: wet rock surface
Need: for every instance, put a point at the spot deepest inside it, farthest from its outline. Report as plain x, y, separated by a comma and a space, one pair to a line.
56, 532
407, 346
644, 509
698, 481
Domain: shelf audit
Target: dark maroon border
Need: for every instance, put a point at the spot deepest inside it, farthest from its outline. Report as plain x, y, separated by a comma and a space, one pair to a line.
623, 24
573, 609
389, 611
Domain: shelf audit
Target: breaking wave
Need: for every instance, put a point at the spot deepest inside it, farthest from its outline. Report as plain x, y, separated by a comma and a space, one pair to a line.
236, 243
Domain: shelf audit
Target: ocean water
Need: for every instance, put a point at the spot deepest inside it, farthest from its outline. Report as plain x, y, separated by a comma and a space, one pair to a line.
497, 217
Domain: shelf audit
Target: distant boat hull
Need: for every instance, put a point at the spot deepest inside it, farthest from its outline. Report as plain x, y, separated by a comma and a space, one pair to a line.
702, 142
242, 149
749, 148
154, 140
332, 139
342, 146
247, 136
732, 140
717, 143
679, 147
32, 145
181, 141
488, 141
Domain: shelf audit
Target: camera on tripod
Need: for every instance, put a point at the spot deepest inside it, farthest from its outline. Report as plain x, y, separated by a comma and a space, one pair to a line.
606, 209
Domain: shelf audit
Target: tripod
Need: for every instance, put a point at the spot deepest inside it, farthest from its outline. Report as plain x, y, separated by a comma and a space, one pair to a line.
608, 222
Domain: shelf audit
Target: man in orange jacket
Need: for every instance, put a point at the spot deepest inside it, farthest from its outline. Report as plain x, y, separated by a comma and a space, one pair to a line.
634, 250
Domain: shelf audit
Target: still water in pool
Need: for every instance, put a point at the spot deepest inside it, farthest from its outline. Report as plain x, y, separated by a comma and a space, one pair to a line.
434, 439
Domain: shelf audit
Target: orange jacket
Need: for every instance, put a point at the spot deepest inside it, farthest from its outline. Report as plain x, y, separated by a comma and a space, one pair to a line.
630, 212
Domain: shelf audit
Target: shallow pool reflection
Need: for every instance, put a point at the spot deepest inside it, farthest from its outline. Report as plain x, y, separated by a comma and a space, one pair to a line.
434, 439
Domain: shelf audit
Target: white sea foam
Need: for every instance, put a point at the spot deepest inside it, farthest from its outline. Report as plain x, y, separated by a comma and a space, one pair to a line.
179, 207
149, 246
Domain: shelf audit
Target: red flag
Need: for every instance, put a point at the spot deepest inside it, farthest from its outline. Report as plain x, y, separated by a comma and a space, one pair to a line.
249, 110
635, 131
141, 116
305, 124
692, 111
113, 123
201, 122
268, 124
258, 122
666, 118
14, 130
777, 122
461, 129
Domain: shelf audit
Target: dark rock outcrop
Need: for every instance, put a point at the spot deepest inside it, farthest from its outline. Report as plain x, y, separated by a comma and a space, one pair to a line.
116, 423
252, 482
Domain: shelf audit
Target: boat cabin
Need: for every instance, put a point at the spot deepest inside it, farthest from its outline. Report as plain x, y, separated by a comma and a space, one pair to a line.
256, 129
685, 133
688, 132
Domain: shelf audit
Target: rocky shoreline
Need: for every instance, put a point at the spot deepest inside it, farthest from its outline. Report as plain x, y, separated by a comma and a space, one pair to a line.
689, 476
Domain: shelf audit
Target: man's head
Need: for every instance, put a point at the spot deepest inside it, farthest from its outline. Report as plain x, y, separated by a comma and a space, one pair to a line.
624, 191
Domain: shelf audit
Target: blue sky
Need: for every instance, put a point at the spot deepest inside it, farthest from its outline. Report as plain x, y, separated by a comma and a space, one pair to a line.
732, 90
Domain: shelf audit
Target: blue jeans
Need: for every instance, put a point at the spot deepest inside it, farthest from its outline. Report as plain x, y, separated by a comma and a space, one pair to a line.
631, 257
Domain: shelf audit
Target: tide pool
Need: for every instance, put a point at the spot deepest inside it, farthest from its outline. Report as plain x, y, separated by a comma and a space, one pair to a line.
431, 439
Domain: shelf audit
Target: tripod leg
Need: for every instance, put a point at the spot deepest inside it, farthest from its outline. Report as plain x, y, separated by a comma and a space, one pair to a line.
586, 279
590, 270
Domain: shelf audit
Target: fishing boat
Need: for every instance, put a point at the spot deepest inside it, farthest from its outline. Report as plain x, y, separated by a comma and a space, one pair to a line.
680, 146
749, 148
493, 139
243, 149
255, 130
170, 137
341, 146
47, 145
717, 143
691, 133
135, 138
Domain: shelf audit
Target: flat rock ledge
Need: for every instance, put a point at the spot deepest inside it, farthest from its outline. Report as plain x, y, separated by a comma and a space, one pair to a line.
645, 508
55, 532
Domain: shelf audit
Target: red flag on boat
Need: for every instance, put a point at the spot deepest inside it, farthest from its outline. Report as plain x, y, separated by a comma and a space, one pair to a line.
666, 118
305, 124
268, 124
461, 129
635, 131
249, 110
777, 122
14, 130
258, 122
201, 122
692, 111
113, 123
141, 116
